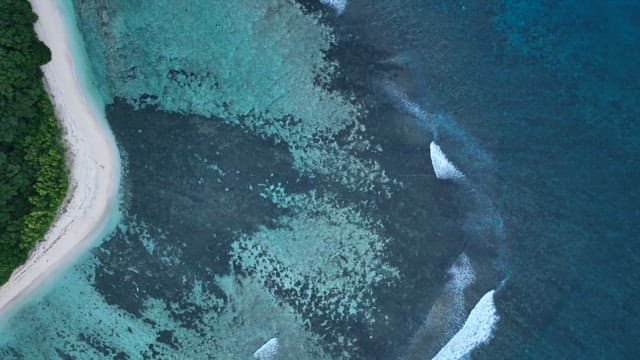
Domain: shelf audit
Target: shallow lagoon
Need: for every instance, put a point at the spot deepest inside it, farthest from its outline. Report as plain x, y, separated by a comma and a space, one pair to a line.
278, 183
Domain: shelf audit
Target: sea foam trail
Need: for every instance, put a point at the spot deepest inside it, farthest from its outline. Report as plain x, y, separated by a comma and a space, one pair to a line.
447, 314
482, 227
402, 103
477, 330
442, 127
268, 351
337, 5
462, 275
443, 168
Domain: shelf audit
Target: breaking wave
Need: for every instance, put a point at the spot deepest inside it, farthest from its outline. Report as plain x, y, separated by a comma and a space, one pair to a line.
268, 351
337, 5
442, 167
443, 332
442, 128
447, 314
477, 330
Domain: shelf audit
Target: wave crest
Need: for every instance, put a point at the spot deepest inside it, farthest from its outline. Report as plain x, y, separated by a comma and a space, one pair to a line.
337, 5
444, 169
268, 351
477, 330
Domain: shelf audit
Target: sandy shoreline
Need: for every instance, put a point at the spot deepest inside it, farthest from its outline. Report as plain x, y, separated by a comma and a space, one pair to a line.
92, 157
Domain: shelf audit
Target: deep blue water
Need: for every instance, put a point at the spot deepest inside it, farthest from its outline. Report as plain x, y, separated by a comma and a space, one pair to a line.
268, 193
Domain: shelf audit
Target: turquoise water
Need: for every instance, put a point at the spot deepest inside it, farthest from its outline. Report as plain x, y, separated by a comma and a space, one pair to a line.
278, 182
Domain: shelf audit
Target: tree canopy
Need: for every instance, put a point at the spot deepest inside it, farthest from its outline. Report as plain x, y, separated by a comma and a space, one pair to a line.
33, 174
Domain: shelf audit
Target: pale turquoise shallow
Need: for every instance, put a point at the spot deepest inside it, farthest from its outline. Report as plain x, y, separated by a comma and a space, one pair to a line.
278, 182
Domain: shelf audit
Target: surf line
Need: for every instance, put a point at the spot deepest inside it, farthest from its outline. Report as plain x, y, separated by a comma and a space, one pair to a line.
479, 326
445, 323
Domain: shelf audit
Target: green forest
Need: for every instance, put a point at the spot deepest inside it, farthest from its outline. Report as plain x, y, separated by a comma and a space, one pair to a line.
33, 174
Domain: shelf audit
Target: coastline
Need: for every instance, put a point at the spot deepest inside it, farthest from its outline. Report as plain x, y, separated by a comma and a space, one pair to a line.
91, 155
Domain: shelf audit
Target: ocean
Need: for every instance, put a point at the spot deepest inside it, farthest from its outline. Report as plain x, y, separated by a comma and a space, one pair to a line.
358, 180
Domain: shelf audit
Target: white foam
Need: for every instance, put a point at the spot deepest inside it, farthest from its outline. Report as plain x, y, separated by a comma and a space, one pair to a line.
462, 275
443, 168
413, 108
404, 103
268, 351
447, 313
461, 272
337, 5
477, 330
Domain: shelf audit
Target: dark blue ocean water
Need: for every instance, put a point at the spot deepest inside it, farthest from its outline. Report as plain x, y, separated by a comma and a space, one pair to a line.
279, 182
550, 89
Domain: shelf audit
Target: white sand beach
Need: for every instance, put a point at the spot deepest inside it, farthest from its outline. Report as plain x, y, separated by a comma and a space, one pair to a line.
91, 154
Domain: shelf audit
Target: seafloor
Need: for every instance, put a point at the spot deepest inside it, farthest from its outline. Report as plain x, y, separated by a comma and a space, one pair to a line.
279, 182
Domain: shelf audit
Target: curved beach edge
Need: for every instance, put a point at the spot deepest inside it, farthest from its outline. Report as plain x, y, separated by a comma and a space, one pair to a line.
92, 158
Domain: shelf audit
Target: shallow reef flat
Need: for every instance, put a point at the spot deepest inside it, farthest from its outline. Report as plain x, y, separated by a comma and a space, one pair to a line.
353, 180
260, 65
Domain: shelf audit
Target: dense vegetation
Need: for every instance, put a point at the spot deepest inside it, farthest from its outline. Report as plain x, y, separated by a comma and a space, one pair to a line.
33, 176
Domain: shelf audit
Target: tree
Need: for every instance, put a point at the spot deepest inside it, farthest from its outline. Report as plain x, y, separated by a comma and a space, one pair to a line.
33, 174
